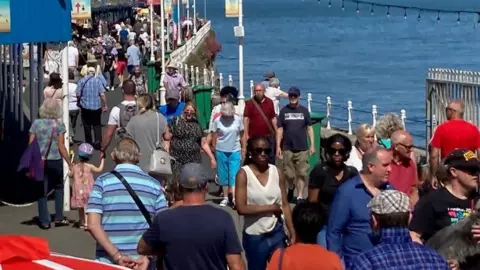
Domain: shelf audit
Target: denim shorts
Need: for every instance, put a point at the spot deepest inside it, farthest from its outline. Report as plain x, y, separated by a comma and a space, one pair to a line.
228, 165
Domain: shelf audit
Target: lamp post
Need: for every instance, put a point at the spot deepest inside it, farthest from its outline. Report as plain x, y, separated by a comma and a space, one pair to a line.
66, 121
152, 56
240, 33
162, 29
187, 6
179, 25
194, 17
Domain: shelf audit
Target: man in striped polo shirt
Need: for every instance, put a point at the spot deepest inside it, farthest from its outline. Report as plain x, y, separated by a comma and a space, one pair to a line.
114, 219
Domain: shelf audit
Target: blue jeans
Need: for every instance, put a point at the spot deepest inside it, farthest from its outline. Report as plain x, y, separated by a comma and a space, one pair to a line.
259, 248
109, 77
53, 179
322, 237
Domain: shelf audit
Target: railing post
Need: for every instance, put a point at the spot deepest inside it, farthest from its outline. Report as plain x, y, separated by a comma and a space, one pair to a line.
180, 68
220, 80
192, 74
309, 102
185, 73
329, 109
251, 88
205, 76
403, 116
212, 78
197, 76
434, 123
349, 108
374, 115
230, 80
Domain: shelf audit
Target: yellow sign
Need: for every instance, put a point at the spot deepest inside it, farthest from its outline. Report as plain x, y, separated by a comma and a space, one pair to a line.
231, 8
167, 6
81, 9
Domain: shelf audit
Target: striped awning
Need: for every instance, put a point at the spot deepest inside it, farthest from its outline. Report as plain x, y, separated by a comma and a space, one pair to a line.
18, 252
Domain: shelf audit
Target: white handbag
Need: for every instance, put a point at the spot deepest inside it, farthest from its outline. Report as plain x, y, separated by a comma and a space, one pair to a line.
160, 160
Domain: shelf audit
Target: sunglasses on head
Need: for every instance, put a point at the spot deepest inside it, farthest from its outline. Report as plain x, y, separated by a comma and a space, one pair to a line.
259, 150
333, 151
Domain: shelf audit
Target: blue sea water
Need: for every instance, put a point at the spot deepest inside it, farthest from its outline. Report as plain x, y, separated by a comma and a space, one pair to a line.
368, 59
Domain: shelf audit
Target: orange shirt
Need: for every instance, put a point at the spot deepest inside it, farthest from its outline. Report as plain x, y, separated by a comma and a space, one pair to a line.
305, 257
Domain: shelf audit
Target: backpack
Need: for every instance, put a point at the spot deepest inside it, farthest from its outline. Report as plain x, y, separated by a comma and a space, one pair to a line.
126, 113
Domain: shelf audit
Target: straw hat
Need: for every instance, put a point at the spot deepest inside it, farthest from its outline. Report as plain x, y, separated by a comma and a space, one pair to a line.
172, 65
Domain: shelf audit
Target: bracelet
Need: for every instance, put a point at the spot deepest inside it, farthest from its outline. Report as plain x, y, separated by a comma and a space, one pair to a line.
117, 256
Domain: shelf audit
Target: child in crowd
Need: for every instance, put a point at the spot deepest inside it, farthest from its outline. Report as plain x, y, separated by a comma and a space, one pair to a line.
82, 173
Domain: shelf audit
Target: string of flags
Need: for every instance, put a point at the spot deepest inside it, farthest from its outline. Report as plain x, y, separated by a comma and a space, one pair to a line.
418, 10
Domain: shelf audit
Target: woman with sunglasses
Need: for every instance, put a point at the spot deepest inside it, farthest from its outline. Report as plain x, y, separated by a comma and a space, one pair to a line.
326, 178
261, 198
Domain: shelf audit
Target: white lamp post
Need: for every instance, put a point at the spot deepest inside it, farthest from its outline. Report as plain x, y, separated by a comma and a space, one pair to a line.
66, 121
152, 56
194, 17
168, 35
162, 29
240, 33
187, 6
179, 24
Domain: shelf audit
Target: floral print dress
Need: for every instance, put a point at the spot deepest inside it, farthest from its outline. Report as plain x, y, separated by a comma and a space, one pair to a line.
82, 185
186, 142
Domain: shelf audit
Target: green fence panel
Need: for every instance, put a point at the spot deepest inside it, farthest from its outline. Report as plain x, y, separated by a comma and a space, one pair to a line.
203, 101
317, 129
153, 78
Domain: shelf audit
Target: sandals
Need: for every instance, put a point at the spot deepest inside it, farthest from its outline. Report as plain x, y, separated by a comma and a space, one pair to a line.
62, 223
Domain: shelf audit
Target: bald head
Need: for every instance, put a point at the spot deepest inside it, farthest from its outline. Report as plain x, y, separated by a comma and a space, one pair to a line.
402, 144
400, 136
455, 109
259, 91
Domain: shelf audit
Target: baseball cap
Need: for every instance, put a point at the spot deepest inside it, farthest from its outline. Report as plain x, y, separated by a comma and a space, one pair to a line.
192, 175
294, 91
229, 90
268, 75
390, 202
462, 159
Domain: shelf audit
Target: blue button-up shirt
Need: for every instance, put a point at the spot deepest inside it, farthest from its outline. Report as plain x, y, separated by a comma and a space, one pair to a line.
134, 55
90, 88
348, 231
397, 251
169, 112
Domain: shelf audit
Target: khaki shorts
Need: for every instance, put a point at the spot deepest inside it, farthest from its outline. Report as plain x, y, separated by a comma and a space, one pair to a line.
295, 164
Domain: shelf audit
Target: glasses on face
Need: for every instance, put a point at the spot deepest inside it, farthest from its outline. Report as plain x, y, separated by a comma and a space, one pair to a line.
259, 150
408, 147
340, 151
293, 96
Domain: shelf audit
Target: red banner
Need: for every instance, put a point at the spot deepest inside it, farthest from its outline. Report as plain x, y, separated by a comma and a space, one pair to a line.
155, 2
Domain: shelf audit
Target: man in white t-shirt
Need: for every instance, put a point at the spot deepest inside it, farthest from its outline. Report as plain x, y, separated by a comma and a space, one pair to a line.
274, 93
120, 115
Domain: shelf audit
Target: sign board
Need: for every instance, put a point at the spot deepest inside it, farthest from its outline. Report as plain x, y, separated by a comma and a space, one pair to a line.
5, 19
81, 10
29, 19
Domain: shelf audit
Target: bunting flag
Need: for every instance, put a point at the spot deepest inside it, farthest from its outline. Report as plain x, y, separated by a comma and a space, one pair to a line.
167, 6
184, 2
231, 8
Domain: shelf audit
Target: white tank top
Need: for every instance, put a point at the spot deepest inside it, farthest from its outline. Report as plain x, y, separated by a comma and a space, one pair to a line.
262, 195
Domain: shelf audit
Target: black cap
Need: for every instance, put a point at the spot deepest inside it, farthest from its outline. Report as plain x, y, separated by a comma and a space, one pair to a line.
229, 90
462, 159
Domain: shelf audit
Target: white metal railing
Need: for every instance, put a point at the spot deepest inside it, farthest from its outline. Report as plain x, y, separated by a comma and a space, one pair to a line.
181, 54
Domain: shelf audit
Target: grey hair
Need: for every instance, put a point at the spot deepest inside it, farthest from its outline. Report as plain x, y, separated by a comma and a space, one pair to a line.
227, 109
371, 157
126, 151
387, 125
50, 109
274, 82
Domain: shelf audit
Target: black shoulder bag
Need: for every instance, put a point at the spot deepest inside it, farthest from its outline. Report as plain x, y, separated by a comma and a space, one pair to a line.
134, 196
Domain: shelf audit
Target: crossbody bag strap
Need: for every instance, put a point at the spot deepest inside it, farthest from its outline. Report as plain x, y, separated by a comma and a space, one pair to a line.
83, 87
157, 145
280, 258
50, 140
259, 109
134, 196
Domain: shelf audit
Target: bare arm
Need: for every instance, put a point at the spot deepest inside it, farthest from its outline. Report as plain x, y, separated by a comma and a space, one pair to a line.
31, 136
241, 199
283, 94
99, 168
235, 262
246, 123
167, 136
311, 137
274, 124
104, 99
63, 150
313, 195
107, 138
287, 212
416, 237
279, 138
97, 232
433, 162
207, 149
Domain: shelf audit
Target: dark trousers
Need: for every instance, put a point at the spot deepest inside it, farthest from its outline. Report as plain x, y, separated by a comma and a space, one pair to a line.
92, 119
73, 120
53, 180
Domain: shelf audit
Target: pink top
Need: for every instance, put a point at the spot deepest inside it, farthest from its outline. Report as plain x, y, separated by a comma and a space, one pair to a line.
50, 92
82, 185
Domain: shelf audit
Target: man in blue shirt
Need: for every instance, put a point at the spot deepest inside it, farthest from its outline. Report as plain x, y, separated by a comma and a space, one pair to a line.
173, 108
396, 250
133, 56
348, 231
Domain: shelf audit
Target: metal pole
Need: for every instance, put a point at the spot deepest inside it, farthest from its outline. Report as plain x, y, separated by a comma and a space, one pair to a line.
162, 87
194, 17
168, 35
179, 25
187, 6
205, 9
240, 34
152, 56
66, 121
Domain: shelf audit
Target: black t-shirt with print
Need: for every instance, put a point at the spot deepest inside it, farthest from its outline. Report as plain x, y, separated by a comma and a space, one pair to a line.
121, 55
294, 122
322, 177
438, 210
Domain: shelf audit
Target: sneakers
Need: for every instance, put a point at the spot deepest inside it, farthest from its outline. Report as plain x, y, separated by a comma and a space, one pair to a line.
224, 202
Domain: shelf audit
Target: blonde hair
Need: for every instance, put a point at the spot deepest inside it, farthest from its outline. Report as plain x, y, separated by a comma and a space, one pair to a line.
191, 104
144, 103
387, 125
363, 129
50, 109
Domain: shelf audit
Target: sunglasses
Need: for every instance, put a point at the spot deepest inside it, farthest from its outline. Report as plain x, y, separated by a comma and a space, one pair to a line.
333, 151
259, 151
408, 147
292, 96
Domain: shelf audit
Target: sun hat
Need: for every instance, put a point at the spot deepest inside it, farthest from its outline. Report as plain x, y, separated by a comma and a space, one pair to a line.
85, 150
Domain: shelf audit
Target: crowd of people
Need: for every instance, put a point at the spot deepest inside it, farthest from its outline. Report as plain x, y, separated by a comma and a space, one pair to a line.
366, 206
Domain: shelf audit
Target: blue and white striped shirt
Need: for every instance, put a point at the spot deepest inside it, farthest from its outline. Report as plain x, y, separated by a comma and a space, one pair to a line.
92, 87
122, 220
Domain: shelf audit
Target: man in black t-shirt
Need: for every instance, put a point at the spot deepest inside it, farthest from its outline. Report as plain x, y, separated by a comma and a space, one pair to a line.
450, 203
108, 70
193, 236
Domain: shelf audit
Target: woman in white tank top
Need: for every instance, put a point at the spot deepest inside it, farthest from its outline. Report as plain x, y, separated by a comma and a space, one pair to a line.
261, 198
